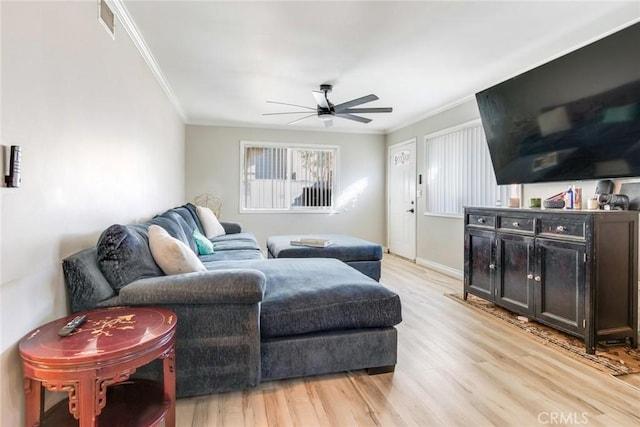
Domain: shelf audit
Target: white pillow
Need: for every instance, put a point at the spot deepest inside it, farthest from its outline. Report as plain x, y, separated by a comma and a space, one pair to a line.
211, 225
172, 255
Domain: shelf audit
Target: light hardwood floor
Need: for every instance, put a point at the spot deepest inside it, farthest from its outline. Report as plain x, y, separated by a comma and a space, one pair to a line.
456, 367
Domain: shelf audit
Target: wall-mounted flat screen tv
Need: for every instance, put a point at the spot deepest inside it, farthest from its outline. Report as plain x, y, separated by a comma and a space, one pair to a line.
576, 117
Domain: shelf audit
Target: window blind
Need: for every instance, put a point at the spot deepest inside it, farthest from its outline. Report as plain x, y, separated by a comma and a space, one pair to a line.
459, 171
285, 177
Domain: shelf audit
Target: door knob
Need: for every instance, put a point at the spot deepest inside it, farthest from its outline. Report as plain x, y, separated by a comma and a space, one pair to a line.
538, 279
529, 276
492, 266
411, 210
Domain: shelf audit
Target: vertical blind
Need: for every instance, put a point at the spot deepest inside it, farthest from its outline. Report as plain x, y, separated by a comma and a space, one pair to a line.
459, 171
265, 178
281, 177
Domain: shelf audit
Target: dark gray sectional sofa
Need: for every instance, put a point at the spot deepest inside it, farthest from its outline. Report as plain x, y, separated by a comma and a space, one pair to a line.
246, 319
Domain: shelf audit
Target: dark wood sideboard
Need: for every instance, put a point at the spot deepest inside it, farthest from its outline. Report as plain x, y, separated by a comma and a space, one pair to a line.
576, 271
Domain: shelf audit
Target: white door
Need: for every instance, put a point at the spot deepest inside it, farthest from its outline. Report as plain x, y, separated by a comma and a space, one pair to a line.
402, 211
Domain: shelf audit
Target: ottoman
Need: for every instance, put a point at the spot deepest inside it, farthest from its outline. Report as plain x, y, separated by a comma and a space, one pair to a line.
360, 254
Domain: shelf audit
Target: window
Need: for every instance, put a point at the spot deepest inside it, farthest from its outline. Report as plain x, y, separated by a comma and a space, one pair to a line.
459, 171
285, 177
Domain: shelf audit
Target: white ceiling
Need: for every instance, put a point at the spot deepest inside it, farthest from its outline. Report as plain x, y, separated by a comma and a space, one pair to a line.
223, 60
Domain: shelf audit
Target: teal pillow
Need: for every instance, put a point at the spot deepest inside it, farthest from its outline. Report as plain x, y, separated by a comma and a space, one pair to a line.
205, 246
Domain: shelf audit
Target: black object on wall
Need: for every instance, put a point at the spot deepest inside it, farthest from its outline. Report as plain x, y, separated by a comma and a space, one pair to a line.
574, 118
13, 179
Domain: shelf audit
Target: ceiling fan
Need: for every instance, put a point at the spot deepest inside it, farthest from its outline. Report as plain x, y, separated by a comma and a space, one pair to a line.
326, 111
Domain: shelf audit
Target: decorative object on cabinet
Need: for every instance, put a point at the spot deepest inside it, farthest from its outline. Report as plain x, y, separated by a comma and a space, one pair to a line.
555, 202
543, 264
514, 195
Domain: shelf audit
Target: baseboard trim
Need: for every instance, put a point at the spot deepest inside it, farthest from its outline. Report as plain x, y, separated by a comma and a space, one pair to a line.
440, 268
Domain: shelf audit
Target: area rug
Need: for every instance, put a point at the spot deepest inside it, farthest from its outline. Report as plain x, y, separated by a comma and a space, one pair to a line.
612, 359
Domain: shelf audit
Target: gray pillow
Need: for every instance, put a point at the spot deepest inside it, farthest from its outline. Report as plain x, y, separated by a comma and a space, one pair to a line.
124, 255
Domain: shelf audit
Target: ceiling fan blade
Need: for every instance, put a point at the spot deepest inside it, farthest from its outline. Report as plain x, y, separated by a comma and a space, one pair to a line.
341, 107
321, 98
286, 112
302, 118
291, 105
353, 117
368, 110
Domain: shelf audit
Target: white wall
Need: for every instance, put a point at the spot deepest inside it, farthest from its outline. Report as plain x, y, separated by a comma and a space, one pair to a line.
101, 144
213, 166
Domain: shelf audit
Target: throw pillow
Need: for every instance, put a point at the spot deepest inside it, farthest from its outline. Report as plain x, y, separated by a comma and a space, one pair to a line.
123, 255
210, 224
205, 246
172, 255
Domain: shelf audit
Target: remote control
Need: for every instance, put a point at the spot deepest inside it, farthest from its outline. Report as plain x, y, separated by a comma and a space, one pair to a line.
72, 326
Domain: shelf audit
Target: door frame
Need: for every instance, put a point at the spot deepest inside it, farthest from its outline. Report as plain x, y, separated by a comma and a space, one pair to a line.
411, 141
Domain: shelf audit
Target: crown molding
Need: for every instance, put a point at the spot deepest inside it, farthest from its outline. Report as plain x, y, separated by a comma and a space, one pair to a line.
127, 22
233, 124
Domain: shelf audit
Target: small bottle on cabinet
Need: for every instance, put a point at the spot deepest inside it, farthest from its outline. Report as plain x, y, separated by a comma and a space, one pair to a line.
577, 198
569, 199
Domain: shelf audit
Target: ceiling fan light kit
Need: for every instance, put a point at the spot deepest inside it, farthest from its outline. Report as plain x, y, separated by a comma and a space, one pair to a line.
326, 111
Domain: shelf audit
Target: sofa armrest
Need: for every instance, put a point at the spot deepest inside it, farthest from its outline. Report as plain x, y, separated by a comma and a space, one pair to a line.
231, 227
233, 286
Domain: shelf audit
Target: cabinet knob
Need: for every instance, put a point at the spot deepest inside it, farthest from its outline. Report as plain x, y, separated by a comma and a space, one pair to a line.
480, 220
516, 224
561, 229
537, 279
529, 276
492, 266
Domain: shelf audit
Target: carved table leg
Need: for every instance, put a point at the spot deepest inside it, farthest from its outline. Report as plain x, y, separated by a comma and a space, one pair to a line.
33, 404
168, 364
87, 390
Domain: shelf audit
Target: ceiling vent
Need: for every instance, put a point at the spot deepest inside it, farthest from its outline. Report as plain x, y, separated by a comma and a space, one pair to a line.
107, 18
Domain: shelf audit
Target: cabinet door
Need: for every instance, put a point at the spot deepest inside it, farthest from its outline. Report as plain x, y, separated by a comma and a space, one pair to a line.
514, 286
560, 285
480, 264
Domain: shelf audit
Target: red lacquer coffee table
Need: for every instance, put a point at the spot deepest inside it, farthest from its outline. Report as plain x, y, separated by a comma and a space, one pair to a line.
93, 366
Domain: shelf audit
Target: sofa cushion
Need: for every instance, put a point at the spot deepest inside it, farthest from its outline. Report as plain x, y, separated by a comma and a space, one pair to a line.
235, 242
124, 255
177, 227
188, 216
171, 254
86, 285
238, 254
210, 223
318, 294
191, 208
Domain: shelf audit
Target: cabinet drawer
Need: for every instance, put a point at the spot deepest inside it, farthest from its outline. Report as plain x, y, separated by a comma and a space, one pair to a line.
480, 220
513, 223
573, 229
